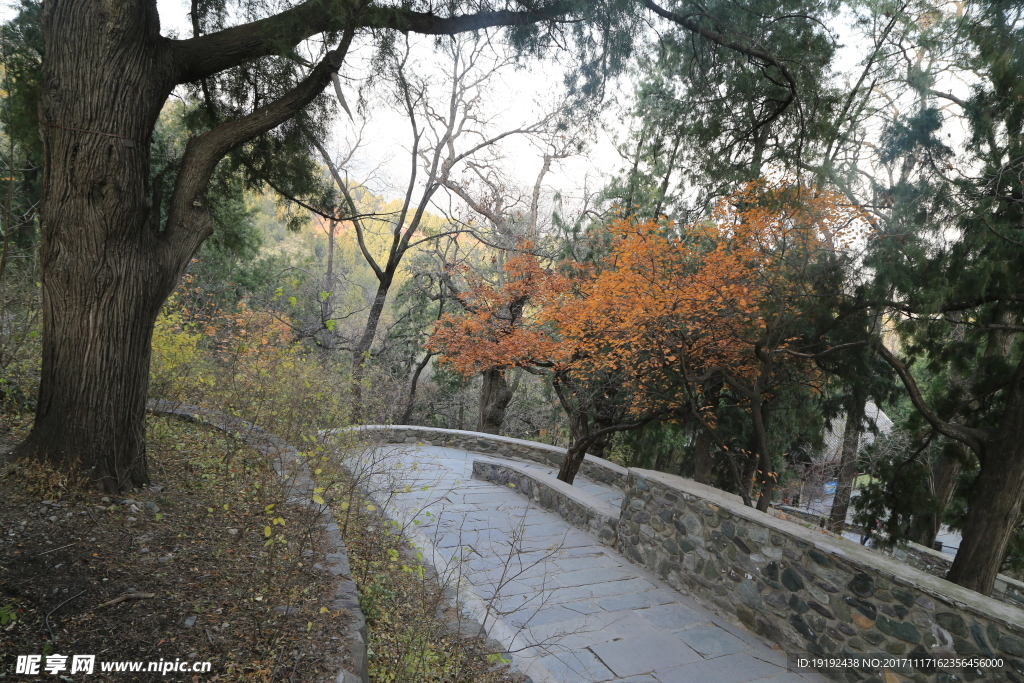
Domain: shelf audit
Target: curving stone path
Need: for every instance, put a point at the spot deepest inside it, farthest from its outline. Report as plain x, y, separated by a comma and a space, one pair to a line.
566, 607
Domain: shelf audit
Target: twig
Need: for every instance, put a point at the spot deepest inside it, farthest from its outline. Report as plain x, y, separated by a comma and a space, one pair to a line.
53, 550
46, 620
128, 596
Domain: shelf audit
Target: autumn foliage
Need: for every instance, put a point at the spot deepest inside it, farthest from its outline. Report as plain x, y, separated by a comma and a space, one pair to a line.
668, 310
504, 324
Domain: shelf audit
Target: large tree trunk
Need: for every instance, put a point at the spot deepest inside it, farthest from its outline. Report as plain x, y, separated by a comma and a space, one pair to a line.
495, 395
945, 471
106, 265
104, 273
847, 470
995, 498
703, 462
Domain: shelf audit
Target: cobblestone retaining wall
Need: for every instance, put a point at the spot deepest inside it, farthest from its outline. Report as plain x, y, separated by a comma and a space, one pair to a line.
580, 509
936, 563
811, 592
490, 444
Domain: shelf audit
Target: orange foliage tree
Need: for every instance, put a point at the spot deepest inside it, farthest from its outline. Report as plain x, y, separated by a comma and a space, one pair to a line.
675, 316
733, 304
495, 329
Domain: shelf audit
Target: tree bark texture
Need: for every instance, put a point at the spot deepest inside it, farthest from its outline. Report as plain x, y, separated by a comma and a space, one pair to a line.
847, 470
995, 498
704, 463
574, 456
495, 395
106, 265
104, 274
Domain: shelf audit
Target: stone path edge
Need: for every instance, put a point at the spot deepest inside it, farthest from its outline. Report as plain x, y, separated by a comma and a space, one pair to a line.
345, 596
475, 607
594, 468
584, 511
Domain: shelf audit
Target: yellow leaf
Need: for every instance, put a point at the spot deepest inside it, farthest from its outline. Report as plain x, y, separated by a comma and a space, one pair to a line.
318, 499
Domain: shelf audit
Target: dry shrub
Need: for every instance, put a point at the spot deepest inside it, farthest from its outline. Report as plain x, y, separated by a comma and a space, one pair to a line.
248, 363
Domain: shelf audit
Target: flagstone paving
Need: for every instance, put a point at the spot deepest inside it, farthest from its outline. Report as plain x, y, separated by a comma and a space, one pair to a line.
567, 608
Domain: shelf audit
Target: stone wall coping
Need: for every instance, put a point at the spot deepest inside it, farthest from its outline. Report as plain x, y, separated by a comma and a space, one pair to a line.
601, 462
1002, 580
1003, 583
945, 591
932, 553
571, 492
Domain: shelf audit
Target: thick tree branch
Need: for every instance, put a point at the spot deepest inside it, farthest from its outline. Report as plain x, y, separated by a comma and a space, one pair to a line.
975, 439
948, 96
820, 354
189, 222
585, 442
204, 56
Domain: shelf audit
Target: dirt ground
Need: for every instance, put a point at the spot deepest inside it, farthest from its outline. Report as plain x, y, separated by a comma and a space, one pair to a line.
179, 571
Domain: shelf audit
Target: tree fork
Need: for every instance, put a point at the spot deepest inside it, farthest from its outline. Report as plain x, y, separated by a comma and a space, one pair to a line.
106, 268
577, 452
